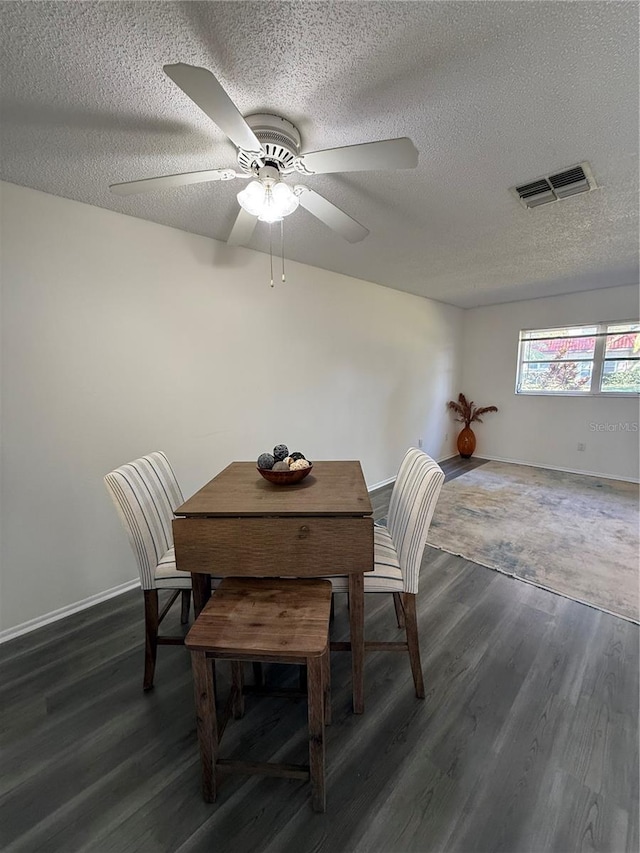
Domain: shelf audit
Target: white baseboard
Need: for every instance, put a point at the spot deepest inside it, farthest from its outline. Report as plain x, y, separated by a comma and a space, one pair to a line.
380, 485
55, 615
445, 458
67, 610
558, 468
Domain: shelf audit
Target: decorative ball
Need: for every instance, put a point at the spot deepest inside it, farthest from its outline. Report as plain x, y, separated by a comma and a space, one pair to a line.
280, 466
298, 455
288, 460
265, 460
299, 464
280, 451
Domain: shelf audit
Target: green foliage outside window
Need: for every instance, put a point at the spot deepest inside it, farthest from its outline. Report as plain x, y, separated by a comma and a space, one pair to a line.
602, 358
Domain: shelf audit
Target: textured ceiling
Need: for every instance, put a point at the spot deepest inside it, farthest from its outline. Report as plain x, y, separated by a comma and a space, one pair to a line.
492, 94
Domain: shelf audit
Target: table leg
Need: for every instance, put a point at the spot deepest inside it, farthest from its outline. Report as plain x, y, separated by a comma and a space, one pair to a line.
356, 621
201, 586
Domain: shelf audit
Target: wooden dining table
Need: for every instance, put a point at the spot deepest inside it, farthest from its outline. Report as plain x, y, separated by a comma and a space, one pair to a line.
240, 525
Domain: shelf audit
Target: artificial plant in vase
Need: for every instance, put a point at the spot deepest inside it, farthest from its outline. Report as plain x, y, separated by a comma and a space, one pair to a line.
467, 412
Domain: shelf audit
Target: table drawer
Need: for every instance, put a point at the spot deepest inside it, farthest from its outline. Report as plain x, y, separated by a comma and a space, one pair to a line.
296, 546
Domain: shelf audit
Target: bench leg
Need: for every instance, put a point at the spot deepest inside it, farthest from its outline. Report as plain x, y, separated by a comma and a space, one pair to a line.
207, 724
316, 732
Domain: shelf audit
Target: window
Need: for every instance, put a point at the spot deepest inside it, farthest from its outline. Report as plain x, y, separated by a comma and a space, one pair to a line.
602, 359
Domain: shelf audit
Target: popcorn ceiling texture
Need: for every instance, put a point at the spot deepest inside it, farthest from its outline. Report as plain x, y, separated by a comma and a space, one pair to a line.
492, 94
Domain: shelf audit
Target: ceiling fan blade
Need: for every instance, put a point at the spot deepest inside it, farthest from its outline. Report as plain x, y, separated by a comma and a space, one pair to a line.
166, 181
201, 86
331, 215
242, 230
384, 154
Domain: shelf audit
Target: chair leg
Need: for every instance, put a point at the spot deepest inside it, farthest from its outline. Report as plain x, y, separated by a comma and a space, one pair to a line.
411, 620
207, 723
397, 603
150, 636
316, 733
186, 602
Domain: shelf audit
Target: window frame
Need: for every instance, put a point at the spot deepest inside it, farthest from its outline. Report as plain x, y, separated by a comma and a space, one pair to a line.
598, 361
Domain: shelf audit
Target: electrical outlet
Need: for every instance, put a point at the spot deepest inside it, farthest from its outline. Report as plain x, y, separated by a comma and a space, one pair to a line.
420, 443
581, 446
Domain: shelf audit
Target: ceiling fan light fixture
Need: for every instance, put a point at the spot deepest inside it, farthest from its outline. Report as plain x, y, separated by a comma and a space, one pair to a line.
269, 200
269, 148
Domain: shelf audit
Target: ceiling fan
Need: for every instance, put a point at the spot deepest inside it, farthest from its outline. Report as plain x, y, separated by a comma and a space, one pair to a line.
268, 154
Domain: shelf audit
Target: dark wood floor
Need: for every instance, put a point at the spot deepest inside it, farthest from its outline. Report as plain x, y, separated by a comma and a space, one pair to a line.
526, 743
452, 468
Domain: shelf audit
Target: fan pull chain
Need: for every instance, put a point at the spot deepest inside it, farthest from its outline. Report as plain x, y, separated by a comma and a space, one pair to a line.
271, 253
282, 246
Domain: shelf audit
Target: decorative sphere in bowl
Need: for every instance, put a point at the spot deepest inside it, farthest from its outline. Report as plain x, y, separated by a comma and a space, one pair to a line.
285, 478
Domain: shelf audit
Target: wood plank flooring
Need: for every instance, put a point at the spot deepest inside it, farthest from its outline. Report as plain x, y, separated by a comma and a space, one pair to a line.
452, 468
527, 741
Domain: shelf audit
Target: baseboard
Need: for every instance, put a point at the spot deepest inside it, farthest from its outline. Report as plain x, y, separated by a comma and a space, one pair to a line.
383, 483
67, 610
558, 468
446, 458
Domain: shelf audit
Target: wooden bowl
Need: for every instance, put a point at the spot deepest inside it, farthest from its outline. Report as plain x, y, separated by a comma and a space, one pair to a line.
285, 478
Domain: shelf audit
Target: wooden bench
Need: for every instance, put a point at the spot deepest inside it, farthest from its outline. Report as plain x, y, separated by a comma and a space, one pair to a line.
268, 620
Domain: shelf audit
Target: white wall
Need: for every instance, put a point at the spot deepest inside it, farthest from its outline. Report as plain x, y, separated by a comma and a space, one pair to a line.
121, 336
546, 430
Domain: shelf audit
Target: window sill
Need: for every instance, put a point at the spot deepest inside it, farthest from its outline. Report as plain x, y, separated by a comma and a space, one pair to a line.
626, 395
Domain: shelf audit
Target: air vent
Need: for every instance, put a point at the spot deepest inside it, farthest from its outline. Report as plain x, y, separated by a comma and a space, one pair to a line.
571, 181
535, 193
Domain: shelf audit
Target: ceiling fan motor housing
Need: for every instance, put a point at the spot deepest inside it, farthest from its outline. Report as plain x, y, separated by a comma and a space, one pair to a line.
280, 141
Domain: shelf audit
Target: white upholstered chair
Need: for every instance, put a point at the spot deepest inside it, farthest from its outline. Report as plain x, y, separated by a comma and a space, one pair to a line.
398, 550
145, 493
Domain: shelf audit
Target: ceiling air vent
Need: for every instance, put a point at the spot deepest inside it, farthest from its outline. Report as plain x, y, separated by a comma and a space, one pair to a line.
572, 181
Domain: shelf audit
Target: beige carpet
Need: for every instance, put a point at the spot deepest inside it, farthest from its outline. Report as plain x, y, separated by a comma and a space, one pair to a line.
569, 533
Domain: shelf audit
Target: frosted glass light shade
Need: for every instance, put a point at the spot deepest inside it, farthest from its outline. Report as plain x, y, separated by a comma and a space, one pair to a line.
270, 203
284, 199
251, 198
